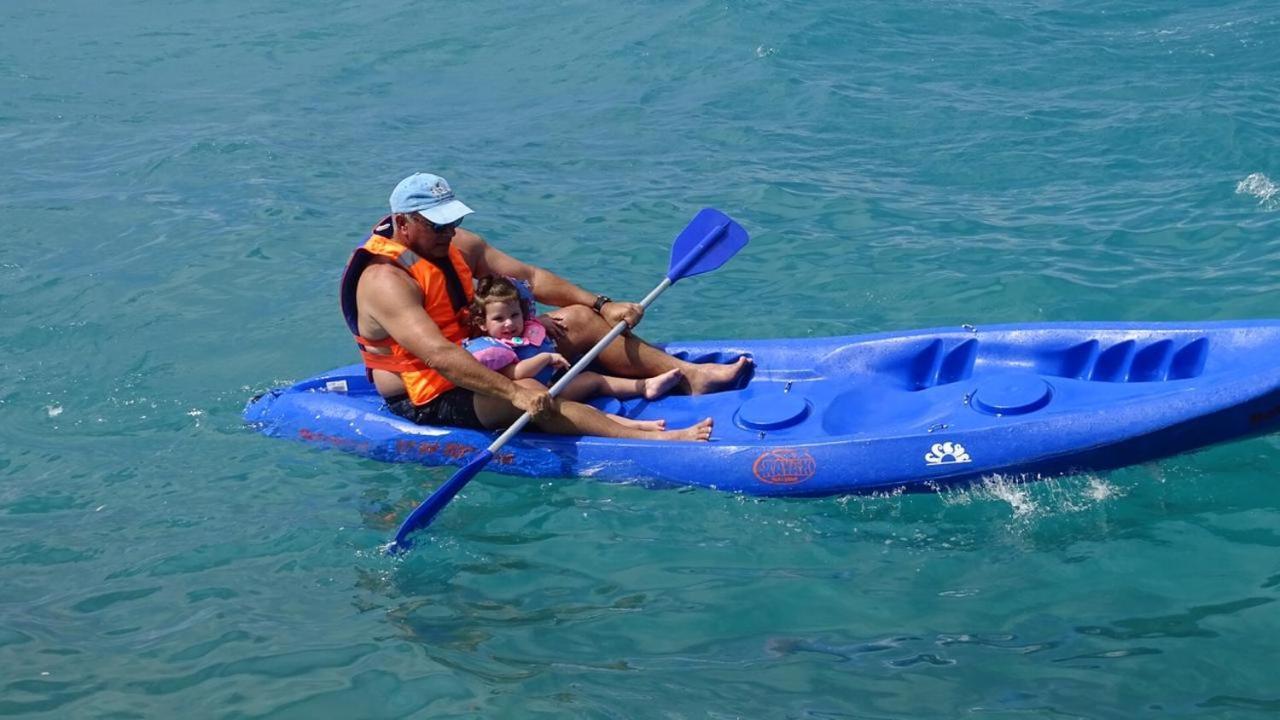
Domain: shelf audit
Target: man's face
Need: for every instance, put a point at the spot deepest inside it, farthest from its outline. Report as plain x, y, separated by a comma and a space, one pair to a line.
425, 236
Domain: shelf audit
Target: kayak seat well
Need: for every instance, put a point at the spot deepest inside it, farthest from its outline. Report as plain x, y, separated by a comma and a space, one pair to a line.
1128, 361
940, 364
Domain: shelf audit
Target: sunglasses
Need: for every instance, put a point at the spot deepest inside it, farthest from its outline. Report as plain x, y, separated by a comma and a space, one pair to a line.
438, 227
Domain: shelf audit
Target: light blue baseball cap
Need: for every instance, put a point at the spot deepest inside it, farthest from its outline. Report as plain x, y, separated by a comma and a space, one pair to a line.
430, 196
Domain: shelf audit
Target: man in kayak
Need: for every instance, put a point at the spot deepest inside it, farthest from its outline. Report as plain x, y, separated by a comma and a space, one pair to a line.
405, 293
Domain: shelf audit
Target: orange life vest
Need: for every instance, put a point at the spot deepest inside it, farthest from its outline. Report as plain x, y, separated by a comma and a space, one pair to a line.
420, 382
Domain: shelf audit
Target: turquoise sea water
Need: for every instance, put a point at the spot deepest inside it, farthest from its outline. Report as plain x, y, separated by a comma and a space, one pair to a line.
182, 182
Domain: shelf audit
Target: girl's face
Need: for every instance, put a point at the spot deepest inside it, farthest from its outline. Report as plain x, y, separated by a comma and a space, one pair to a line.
503, 319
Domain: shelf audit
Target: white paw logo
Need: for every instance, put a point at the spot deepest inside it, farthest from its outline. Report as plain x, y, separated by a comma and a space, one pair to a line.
946, 453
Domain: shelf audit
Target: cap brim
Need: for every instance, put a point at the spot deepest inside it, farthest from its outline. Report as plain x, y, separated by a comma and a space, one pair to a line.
451, 211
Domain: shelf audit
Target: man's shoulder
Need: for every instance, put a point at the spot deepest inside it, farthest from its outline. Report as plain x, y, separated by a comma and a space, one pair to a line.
382, 275
381, 268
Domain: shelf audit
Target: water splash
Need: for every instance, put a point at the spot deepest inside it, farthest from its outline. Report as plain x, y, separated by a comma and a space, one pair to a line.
1012, 492
1099, 489
1029, 500
1261, 187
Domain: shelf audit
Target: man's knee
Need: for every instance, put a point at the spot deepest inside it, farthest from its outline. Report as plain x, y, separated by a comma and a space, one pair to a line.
576, 318
582, 328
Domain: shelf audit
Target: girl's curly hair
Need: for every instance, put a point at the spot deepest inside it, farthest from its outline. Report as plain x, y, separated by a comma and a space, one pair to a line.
497, 288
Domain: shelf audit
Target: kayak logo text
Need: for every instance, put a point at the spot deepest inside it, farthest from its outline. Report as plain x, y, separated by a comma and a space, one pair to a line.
784, 466
946, 453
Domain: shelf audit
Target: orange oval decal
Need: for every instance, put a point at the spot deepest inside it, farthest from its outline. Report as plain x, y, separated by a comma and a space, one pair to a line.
784, 466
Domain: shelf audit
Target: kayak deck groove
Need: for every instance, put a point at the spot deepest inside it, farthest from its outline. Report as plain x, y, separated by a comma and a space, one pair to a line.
917, 410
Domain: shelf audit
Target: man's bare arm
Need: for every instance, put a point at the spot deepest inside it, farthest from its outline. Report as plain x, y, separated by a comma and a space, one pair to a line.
548, 287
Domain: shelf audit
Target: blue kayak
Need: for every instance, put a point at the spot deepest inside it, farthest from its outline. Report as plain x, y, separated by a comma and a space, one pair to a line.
917, 410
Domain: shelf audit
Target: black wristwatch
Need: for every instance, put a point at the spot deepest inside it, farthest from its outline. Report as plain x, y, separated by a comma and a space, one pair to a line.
600, 301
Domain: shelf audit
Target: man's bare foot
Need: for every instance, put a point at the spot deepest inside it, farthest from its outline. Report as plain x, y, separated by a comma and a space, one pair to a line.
659, 385
699, 431
639, 424
714, 377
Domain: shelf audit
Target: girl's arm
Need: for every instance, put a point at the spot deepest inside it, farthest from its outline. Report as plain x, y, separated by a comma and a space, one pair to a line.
536, 364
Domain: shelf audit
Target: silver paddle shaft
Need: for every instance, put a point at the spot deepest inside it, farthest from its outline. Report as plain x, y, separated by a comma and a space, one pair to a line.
579, 366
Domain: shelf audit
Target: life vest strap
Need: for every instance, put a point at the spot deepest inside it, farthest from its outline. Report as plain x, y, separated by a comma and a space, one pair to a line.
386, 342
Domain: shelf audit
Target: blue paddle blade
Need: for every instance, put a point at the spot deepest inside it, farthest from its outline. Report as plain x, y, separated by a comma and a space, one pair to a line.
708, 242
427, 511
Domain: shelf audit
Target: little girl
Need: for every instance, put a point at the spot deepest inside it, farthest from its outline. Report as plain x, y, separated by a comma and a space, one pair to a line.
515, 344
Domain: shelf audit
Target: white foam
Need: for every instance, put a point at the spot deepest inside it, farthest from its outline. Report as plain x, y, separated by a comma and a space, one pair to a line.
1099, 489
1012, 492
1261, 187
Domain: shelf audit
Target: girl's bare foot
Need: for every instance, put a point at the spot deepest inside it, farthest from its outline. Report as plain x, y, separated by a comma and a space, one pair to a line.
699, 431
714, 377
659, 385
639, 424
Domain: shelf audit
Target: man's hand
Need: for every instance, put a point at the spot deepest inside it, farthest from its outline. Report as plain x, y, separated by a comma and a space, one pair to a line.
616, 312
555, 328
535, 401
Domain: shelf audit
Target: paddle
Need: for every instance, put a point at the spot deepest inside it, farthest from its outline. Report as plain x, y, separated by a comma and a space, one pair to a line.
708, 242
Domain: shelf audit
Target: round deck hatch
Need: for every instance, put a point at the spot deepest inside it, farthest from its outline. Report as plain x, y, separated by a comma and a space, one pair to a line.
1011, 395
771, 412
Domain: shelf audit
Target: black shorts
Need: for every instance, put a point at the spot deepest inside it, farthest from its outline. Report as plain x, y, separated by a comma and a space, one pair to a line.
455, 408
